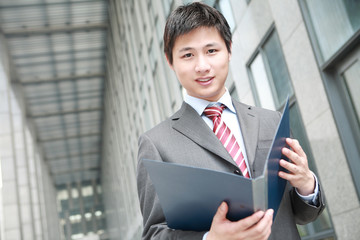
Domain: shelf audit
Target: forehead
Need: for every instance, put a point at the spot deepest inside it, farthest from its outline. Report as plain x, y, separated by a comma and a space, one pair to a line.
199, 37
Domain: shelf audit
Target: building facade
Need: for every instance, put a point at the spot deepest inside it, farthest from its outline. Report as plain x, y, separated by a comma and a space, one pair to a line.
307, 50
28, 207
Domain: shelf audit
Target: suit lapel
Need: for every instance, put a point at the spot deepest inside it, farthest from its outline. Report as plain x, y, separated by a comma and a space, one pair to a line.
188, 122
249, 125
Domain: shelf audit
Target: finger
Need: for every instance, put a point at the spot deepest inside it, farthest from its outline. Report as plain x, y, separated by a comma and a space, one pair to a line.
291, 155
261, 229
248, 222
221, 212
291, 167
267, 219
295, 145
285, 176
267, 230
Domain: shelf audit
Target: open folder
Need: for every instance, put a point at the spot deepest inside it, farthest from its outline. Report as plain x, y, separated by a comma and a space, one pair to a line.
190, 196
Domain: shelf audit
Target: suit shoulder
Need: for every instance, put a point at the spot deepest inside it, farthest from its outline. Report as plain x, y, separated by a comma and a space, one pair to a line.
266, 112
158, 129
163, 128
258, 111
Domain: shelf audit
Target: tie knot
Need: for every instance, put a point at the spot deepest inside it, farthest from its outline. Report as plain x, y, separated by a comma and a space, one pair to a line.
214, 111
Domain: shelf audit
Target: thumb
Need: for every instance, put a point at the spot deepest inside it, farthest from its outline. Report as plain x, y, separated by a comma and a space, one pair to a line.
221, 212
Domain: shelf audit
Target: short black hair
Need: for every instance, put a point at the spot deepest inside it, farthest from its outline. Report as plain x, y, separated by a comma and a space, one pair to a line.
186, 18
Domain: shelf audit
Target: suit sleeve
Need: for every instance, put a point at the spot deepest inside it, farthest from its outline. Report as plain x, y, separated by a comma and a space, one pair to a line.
303, 211
154, 223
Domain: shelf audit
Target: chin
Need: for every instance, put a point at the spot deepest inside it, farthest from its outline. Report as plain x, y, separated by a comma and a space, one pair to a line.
213, 97
210, 98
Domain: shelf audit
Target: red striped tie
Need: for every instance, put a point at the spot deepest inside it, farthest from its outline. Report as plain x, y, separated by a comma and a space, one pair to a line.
225, 136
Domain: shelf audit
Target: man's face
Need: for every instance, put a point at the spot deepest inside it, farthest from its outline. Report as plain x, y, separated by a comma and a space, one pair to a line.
201, 63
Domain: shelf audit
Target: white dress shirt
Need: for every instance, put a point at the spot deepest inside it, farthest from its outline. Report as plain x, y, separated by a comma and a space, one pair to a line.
229, 117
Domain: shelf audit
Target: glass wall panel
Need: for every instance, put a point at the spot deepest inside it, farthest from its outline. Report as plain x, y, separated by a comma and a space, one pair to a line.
166, 7
275, 61
270, 76
233, 92
334, 23
352, 82
271, 84
225, 8
348, 85
262, 84
334, 27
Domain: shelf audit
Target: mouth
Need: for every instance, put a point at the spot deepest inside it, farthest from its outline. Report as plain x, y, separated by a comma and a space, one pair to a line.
204, 80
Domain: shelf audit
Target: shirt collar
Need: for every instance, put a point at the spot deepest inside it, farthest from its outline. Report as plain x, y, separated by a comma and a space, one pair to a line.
200, 104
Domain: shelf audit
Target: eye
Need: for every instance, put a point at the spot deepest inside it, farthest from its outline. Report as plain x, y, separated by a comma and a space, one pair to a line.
211, 51
187, 55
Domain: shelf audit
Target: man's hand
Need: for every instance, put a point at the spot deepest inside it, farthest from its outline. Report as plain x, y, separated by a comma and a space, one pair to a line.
299, 174
254, 227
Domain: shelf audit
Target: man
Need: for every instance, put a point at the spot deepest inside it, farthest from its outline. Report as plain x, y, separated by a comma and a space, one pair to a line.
197, 45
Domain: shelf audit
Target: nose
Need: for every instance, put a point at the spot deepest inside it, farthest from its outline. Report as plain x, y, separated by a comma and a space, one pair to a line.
202, 65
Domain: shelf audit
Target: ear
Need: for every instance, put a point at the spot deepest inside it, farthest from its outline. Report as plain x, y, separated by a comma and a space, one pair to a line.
167, 60
230, 52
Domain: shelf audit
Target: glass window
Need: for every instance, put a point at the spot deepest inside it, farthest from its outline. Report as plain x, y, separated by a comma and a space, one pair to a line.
75, 198
275, 62
159, 31
152, 55
147, 115
208, 2
87, 191
271, 84
160, 94
271, 80
233, 92
352, 82
334, 23
166, 6
62, 195
348, 85
99, 189
185, 2
225, 8
260, 79
151, 12
335, 33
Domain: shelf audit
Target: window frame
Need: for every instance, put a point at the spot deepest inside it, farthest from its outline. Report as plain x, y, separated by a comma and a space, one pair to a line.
259, 50
339, 103
308, 228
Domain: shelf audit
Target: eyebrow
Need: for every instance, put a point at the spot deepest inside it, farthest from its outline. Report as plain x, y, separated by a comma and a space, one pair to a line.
185, 49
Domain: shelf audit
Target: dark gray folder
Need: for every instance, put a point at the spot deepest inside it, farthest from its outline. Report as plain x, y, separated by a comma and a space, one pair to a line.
190, 196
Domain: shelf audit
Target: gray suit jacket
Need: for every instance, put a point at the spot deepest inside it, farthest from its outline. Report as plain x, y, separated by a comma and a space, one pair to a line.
186, 139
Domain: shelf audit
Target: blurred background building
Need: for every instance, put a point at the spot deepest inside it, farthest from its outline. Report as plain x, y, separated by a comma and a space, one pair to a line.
80, 80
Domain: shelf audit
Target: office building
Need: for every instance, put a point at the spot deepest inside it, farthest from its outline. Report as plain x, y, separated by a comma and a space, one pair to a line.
80, 80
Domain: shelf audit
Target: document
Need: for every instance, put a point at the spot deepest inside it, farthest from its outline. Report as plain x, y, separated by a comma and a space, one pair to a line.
190, 196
